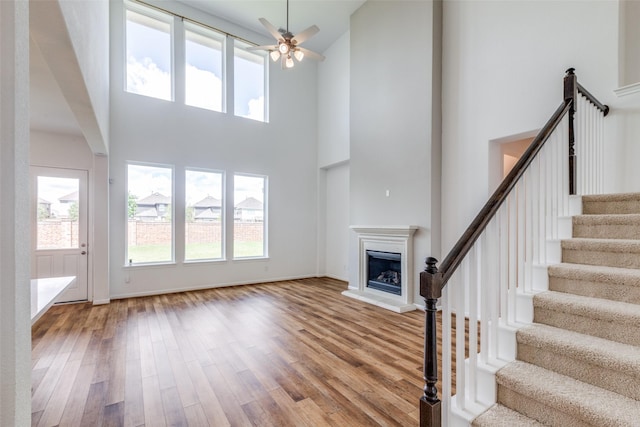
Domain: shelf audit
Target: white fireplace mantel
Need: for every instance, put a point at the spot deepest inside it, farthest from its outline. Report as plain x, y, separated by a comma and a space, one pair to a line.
386, 238
383, 230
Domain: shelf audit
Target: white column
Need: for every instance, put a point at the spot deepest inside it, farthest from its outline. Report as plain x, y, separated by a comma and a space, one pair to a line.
15, 321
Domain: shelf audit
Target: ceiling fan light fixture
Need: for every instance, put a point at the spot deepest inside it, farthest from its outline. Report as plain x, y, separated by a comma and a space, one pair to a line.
289, 62
287, 48
283, 48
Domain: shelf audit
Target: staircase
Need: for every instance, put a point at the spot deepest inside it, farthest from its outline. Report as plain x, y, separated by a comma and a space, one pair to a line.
578, 364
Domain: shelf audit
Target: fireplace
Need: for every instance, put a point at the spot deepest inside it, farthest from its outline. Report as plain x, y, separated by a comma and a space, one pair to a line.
384, 276
384, 271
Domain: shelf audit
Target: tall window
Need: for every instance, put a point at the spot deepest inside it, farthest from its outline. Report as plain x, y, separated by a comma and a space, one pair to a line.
150, 214
149, 61
204, 215
204, 65
249, 232
249, 82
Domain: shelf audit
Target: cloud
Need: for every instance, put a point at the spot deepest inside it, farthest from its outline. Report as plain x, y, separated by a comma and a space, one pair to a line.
203, 89
145, 78
144, 180
256, 109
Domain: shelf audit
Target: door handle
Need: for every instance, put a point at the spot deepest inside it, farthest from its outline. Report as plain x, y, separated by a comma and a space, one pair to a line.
83, 253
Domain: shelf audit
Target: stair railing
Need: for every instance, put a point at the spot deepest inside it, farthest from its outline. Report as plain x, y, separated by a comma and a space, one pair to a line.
501, 259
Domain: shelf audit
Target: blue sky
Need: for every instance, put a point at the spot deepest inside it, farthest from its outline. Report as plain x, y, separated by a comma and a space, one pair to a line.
149, 72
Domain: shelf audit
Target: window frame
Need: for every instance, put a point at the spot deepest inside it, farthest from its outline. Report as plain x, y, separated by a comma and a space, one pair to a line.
157, 15
215, 35
223, 216
172, 212
265, 217
243, 45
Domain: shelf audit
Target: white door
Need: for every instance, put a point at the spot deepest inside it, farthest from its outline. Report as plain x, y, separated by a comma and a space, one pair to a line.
59, 224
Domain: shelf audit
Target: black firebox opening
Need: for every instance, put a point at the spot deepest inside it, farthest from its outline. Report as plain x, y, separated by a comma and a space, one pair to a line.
384, 272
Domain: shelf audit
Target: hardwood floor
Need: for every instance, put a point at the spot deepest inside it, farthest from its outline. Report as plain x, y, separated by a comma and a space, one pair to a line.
293, 353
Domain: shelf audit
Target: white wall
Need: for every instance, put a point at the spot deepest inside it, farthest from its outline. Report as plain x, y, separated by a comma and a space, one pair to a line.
392, 72
629, 37
333, 157
285, 149
333, 104
337, 222
502, 75
15, 321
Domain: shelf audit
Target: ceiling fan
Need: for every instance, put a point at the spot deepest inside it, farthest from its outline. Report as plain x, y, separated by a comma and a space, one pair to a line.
288, 46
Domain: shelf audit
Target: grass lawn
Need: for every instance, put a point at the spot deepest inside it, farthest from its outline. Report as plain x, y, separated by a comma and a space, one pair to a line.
194, 251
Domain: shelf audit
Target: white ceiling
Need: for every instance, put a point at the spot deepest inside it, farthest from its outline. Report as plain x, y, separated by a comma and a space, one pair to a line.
50, 111
331, 16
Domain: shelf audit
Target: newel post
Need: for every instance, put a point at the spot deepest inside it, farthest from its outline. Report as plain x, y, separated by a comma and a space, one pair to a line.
430, 290
570, 95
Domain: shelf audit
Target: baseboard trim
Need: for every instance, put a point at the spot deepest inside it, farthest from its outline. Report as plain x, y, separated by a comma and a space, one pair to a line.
101, 301
208, 286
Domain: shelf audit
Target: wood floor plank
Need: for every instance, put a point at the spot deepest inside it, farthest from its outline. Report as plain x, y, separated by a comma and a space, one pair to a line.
76, 402
152, 401
133, 394
291, 353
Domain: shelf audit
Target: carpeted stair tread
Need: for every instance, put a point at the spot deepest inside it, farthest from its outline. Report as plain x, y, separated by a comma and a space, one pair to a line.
614, 320
564, 397
624, 203
625, 226
501, 416
614, 283
608, 364
611, 252
608, 245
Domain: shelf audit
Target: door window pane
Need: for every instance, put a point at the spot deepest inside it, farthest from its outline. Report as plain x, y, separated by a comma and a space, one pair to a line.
57, 213
249, 216
203, 53
149, 54
203, 215
249, 82
150, 214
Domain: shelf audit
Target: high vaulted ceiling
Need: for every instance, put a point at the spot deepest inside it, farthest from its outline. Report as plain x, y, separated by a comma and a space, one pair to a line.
50, 111
331, 16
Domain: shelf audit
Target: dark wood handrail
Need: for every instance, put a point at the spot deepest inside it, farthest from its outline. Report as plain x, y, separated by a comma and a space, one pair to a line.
469, 237
592, 99
433, 280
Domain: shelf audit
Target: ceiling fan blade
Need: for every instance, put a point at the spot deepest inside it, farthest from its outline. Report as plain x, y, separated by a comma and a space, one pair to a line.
311, 54
271, 28
305, 35
264, 47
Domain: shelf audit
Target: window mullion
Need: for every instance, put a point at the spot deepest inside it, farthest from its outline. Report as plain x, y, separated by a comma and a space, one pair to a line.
178, 60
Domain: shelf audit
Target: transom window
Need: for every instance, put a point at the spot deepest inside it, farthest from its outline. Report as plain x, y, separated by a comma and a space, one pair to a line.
150, 64
204, 53
249, 82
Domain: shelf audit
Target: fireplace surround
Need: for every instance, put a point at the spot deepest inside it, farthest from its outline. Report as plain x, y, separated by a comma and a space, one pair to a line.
387, 279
